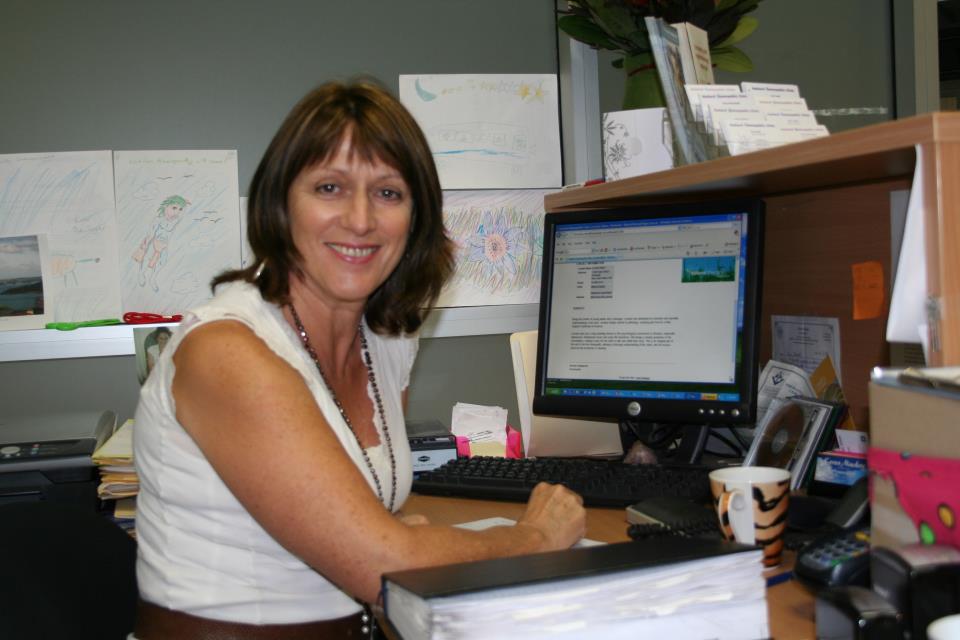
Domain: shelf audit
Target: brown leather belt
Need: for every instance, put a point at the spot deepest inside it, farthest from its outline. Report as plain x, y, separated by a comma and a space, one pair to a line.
157, 623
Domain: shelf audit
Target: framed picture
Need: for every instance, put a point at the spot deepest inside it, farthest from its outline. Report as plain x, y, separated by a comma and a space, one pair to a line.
149, 342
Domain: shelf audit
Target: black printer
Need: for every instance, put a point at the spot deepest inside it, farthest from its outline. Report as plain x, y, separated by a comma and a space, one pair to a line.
50, 456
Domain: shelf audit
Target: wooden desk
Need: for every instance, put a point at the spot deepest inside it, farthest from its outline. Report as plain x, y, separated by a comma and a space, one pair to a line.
790, 605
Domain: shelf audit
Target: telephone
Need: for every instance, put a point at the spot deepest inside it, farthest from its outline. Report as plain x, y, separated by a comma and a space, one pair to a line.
660, 517
837, 559
837, 553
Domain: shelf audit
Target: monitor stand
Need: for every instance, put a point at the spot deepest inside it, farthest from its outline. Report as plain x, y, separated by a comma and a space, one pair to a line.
690, 440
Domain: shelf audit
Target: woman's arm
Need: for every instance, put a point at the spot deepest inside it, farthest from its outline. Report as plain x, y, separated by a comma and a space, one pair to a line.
257, 423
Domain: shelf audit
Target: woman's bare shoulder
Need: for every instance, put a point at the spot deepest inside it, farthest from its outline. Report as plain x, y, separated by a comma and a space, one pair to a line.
227, 349
219, 337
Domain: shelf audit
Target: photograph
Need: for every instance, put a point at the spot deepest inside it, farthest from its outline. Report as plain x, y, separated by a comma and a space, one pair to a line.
149, 343
714, 269
22, 301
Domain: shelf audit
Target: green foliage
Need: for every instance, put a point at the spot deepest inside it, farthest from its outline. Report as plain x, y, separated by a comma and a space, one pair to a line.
746, 26
731, 59
618, 25
583, 30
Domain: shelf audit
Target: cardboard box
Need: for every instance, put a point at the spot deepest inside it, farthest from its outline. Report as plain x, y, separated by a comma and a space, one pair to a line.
915, 424
840, 467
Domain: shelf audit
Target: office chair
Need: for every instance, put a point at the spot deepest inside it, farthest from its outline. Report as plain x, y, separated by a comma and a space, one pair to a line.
65, 572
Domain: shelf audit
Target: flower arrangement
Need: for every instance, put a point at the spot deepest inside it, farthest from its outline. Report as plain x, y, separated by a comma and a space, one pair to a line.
618, 25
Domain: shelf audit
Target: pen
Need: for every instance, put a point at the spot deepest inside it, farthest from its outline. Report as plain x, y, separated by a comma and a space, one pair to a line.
70, 326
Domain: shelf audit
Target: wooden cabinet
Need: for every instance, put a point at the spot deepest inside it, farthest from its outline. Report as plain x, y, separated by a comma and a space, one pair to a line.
828, 208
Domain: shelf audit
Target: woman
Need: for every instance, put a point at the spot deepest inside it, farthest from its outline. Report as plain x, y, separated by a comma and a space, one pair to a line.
270, 443
156, 342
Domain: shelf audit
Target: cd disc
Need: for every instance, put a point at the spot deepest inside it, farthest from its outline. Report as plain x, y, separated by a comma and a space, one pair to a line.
780, 438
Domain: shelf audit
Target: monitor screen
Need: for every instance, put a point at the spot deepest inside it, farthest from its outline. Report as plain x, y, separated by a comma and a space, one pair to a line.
651, 313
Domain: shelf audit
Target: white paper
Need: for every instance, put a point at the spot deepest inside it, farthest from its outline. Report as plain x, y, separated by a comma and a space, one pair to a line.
787, 119
716, 112
780, 381
802, 132
766, 102
907, 302
479, 423
805, 341
636, 142
750, 135
246, 253
24, 282
697, 92
497, 521
553, 435
771, 89
179, 226
489, 131
499, 240
852, 441
68, 197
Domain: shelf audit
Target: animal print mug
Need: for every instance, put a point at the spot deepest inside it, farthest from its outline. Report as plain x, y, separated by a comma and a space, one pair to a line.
751, 506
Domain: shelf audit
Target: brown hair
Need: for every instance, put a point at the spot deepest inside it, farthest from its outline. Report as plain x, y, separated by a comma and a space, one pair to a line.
379, 128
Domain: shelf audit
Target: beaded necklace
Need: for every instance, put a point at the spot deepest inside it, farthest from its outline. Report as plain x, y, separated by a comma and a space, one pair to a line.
368, 361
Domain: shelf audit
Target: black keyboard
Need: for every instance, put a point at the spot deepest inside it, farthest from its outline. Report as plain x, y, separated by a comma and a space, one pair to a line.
602, 483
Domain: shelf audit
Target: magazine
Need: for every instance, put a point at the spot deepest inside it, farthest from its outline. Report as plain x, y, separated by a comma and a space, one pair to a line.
692, 145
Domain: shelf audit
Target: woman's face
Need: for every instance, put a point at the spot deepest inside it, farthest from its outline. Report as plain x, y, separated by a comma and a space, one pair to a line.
162, 339
349, 220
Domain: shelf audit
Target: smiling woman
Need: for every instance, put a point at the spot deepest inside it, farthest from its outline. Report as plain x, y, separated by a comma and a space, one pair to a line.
356, 125
350, 220
292, 382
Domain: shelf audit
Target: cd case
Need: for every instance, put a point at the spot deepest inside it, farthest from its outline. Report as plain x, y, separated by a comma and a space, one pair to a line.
790, 436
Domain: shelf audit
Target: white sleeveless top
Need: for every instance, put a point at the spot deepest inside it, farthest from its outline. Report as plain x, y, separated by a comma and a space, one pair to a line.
199, 551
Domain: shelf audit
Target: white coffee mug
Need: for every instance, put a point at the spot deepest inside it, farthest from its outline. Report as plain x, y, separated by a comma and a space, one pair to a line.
751, 505
947, 628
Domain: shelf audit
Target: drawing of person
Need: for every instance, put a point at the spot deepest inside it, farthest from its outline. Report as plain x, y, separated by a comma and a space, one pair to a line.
156, 242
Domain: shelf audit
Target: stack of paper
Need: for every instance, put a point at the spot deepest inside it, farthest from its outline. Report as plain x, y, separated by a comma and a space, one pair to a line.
680, 588
752, 116
118, 477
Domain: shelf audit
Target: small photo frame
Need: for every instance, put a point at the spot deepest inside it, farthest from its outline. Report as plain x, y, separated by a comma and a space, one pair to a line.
148, 343
790, 435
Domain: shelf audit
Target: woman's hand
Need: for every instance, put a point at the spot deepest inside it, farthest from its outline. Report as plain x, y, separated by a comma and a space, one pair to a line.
557, 513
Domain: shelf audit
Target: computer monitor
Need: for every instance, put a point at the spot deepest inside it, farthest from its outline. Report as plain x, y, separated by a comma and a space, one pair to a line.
651, 313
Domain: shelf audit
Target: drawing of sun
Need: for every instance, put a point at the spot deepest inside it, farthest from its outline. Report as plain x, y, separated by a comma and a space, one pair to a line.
495, 246
499, 247
494, 249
